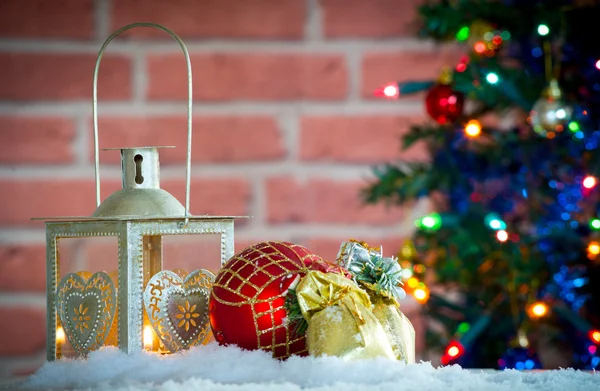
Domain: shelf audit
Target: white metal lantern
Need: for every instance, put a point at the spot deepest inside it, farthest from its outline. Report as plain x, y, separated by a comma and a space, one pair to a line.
144, 306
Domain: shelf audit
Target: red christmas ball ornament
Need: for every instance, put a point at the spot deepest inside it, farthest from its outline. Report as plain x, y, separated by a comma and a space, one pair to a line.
444, 104
326, 267
246, 306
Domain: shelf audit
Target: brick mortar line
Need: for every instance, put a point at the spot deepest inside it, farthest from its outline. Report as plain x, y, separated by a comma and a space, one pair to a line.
23, 299
327, 230
406, 107
353, 64
101, 16
299, 236
249, 170
80, 146
164, 46
258, 225
289, 126
403, 228
313, 30
257, 207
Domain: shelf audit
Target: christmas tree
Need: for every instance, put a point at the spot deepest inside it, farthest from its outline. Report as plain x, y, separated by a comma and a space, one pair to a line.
512, 250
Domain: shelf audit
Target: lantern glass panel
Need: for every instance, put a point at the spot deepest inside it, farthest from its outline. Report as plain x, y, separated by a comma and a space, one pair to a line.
191, 252
84, 256
181, 254
152, 259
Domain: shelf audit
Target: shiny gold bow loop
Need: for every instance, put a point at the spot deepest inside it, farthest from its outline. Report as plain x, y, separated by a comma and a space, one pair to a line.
340, 322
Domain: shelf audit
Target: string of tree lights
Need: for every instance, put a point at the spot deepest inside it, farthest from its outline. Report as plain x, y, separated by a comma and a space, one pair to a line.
512, 251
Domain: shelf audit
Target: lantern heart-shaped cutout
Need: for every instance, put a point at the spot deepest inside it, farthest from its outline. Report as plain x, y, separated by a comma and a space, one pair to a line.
86, 309
178, 308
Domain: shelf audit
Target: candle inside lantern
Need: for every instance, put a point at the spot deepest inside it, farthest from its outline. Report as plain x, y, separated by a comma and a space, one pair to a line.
148, 338
60, 340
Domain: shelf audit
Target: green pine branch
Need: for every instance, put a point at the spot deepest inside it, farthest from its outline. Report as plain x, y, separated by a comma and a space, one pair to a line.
441, 20
294, 313
399, 183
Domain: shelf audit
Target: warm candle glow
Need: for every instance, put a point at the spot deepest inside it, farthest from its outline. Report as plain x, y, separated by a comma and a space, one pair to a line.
60, 340
148, 338
60, 336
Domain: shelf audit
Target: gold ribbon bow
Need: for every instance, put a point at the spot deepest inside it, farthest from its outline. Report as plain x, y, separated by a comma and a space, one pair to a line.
340, 322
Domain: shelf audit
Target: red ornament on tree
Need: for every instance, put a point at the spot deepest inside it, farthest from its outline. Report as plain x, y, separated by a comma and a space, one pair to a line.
246, 305
444, 104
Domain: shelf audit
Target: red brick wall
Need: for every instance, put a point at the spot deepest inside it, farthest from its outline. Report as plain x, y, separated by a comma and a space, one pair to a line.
285, 126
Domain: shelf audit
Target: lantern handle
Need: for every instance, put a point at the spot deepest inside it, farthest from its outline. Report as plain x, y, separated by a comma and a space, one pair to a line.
189, 110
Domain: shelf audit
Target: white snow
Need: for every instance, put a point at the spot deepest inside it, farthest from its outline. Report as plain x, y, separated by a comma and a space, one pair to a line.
334, 313
216, 368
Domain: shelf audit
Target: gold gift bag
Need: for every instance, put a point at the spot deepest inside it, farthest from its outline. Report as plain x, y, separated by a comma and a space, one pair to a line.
340, 322
400, 332
367, 265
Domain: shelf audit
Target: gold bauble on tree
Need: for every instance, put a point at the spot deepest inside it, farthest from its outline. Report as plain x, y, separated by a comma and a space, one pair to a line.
478, 30
550, 113
483, 38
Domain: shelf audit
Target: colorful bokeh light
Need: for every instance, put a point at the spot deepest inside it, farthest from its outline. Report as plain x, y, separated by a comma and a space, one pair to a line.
538, 310
390, 91
480, 47
412, 282
494, 221
502, 236
463, 327
589, 182
463, 33
453, 351
492, 78
594, 248
431, 222
473, 128
574, 126
421, 294
543, 30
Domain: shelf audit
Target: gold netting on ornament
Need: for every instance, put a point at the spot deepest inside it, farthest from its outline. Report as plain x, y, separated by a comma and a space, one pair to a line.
273, 257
